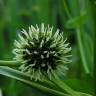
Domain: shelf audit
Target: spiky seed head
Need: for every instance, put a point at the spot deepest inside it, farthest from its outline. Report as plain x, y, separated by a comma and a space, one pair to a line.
41, 51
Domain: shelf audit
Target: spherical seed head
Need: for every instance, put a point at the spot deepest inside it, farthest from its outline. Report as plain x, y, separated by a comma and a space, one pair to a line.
41, 51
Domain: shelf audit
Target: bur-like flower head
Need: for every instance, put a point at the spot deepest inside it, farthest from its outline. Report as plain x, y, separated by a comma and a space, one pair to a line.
41, 51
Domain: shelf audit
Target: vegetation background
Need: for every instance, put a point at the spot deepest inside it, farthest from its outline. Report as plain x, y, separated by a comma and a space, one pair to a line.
76, 18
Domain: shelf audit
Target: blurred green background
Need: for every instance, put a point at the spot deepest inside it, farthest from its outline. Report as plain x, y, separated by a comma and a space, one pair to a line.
76, 18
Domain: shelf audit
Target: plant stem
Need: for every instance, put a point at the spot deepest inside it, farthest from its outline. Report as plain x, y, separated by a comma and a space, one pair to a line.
62, 85
66, 88
25, 78
78, 33
67, 9
9, 63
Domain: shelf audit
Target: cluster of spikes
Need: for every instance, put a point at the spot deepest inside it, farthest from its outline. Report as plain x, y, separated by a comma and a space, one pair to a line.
41, 51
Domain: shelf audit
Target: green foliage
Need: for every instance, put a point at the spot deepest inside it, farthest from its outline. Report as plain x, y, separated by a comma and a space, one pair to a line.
76, 18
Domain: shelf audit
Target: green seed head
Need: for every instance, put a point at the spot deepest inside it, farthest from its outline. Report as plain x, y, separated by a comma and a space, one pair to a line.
41, 51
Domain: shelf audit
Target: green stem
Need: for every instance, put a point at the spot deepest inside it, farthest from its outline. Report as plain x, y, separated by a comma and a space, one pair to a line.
66, 88
83, 94
78, 33
57, 93
63, 86
9, 63
67, 9
25, 78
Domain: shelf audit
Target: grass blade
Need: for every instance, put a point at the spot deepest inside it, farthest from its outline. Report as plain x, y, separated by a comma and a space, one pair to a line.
66, 88
9, 72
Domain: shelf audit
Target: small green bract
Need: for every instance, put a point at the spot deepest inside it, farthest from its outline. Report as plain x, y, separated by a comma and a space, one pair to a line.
41, 51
